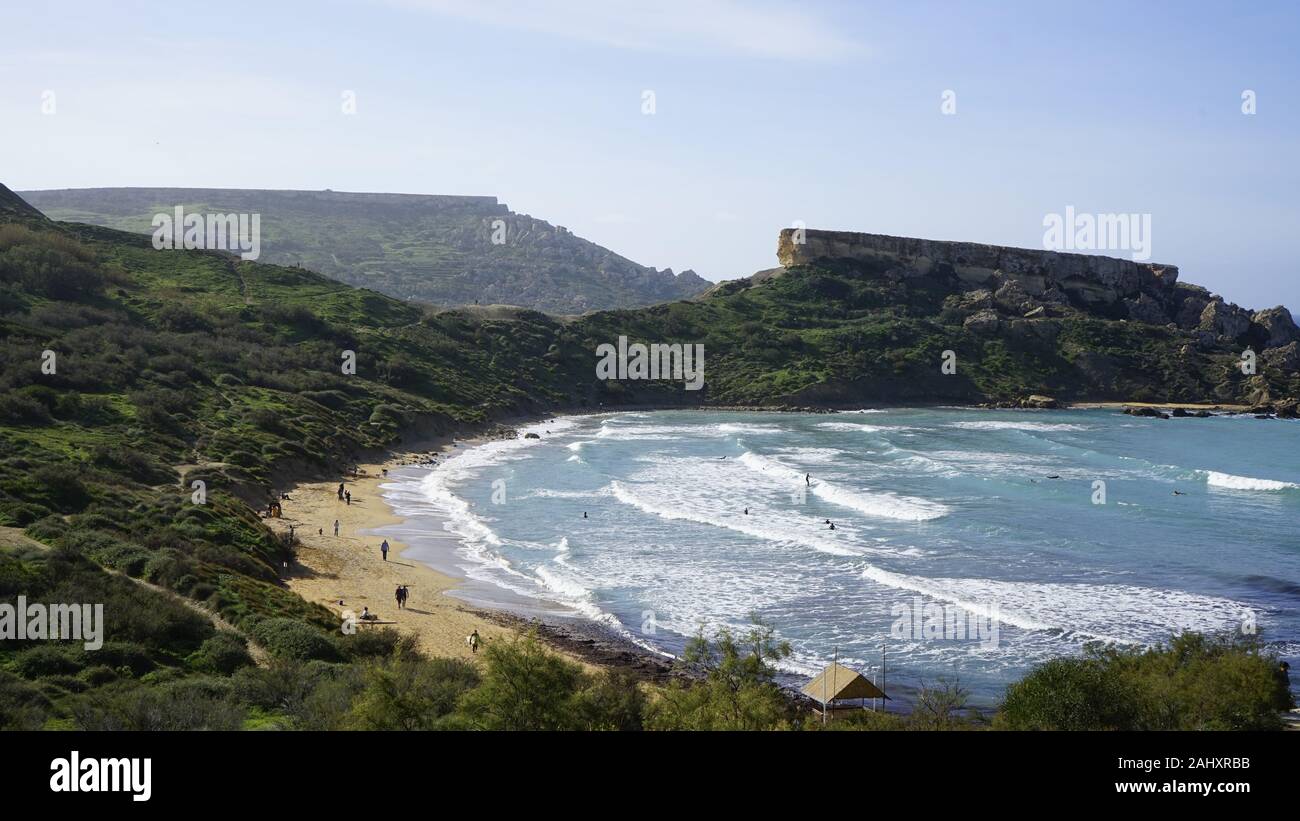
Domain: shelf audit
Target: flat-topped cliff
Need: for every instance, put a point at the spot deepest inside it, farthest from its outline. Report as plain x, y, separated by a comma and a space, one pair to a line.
1092, 277
443, 249
989, 280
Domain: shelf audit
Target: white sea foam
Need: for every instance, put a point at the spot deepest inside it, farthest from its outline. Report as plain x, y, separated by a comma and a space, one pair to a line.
731, 428
1028, 426
1106, 612
1226, 480
870, 503
804, 532
628, 433
819, 456
855, 427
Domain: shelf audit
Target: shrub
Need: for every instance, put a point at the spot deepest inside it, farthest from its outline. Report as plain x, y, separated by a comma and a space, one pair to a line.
408, 692
190, 704
375, 643
22, 705
1194, 682
290, 639
223, 654
63, 487
44, 660
527, 687
99, 675
21, 409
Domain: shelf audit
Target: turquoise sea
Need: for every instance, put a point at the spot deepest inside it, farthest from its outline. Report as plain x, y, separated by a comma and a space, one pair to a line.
968, 544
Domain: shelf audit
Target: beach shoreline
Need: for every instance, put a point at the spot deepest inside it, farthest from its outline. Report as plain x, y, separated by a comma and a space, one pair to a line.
349, 569
347, 573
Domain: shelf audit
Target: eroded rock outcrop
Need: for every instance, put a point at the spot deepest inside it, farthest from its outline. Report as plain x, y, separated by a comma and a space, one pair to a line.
1277, 326
1225, 319
1084, 278
1000, 289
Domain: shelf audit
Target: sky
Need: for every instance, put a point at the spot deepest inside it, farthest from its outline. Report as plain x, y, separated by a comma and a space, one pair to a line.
687, 133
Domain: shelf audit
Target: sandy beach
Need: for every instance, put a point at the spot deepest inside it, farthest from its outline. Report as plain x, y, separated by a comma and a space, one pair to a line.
350, 569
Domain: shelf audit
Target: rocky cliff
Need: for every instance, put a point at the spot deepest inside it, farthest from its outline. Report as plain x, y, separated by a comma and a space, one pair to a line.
993, 283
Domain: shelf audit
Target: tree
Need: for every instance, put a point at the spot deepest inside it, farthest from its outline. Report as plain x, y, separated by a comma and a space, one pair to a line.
738, 689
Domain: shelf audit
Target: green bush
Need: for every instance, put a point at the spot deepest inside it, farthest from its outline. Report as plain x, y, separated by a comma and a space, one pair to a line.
99, 675
190, 704
292, 639
527, 687
123, 656
44, 660
223, 654
1192, 683
408, 692
22, 705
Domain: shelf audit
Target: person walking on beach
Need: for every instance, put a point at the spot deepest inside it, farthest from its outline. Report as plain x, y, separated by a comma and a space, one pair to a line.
472, 641
383, 548
340, 491
348, 496
400, 595
336, 527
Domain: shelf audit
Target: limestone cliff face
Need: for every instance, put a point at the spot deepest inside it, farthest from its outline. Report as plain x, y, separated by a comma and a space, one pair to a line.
1028, 282
1091, 278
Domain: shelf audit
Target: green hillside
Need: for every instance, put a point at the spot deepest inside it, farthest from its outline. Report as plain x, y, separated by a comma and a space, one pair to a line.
434, 249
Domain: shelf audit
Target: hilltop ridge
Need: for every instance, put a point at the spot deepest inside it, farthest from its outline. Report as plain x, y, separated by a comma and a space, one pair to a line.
446, 250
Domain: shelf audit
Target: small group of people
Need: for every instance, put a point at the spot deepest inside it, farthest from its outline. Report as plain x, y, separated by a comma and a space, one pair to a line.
403, 593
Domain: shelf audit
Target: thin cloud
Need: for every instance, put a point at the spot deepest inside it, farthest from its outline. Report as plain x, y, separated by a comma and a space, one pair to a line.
680, 26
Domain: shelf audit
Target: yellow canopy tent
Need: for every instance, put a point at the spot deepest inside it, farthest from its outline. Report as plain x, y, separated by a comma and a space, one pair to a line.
839, 683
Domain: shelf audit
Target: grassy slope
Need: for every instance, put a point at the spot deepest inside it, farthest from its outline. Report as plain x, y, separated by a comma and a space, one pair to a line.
433, 249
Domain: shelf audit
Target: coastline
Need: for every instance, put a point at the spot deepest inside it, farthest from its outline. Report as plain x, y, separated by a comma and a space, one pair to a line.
443, 610
349, 568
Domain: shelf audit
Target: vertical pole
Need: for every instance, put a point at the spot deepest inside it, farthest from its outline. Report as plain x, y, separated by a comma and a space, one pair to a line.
823, 698
882, 672
835, 671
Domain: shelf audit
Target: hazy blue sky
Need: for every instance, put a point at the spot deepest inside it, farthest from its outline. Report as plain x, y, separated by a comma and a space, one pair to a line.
765, 114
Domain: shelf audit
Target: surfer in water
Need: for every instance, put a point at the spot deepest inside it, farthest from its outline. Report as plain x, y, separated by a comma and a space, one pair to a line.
832, 526
807, 479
